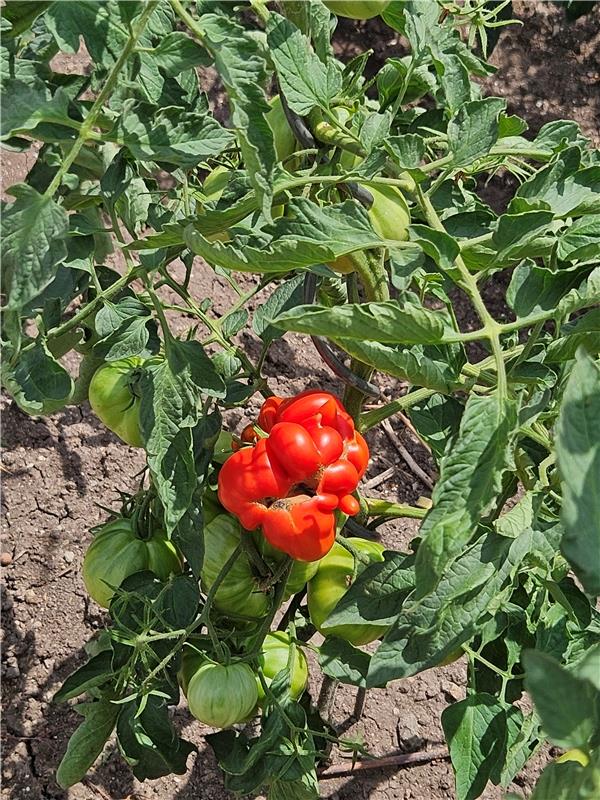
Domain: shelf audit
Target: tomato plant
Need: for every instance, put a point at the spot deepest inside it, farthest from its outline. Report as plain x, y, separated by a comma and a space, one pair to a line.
356, 195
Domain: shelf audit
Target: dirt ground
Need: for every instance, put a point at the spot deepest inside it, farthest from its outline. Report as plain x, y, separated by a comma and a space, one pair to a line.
58, 469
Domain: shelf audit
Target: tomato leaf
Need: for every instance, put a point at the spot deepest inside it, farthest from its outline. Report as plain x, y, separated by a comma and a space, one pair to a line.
388, 322
569, 706
475, 729
93, 673
149, 742
578, 453
474, 130
243, 72
86, 744
171, 135
33, 244
306, 81
470, 480
38, 383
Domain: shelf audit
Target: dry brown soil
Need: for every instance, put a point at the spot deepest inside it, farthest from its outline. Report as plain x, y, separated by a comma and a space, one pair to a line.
58, 469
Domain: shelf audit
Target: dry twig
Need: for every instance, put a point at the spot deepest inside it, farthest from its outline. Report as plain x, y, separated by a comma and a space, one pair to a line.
408, 459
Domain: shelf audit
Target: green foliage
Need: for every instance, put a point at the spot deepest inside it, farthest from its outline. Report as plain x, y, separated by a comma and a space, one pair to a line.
125, 171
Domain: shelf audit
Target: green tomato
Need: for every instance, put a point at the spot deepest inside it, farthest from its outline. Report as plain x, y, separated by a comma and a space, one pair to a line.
112, 397
191, 661
283, 136
274, 657
220, 695
238, 596
117, 552
300, 573
331, 583
357, 9
389, 214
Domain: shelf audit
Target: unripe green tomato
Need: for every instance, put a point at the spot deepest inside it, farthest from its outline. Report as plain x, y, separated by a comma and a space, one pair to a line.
191, 661
389, 214
300, 573
113, 400
357, 9
238, 595
274, 657
117, 552
283, 136
331, 583
220, 695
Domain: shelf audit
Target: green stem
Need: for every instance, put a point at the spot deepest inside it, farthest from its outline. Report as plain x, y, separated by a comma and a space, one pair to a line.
469, 284
89, 121
384, 508
200, 620
369, 419
216, 332
374, 279
90, 307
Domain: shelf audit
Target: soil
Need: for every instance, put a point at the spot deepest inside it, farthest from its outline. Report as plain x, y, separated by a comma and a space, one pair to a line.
58, 469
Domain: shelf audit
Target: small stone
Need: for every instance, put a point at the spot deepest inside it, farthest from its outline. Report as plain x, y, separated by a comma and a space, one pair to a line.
5, 559
69, 556
13, 671
408, 732
31, 597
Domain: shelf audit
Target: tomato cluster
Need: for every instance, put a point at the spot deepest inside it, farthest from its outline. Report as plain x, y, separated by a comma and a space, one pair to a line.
291, 473
292, 480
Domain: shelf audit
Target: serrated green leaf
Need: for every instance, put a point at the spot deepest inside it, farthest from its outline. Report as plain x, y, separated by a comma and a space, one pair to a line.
388, 322
470, 480
286, 296
173, 135
515, 234
242, 69
305, 80
38, 383
93, 673
420, 366
475, 729
578, 454
343, 662
534, 288
568, 706
310, 235
178, 52
581, 241
86, 744
33, 244
474, 130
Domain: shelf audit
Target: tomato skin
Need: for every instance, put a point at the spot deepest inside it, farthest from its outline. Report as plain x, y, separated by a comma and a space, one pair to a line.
389, 214
283, 136
113, 400
117, 552
274, 657
331, 583
220, 695
357, 9
238, 595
